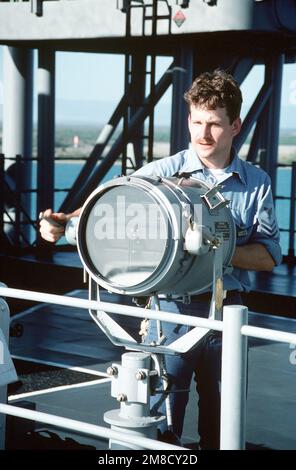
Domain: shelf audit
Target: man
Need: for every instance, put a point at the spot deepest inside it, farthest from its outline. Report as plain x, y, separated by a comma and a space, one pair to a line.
214, 101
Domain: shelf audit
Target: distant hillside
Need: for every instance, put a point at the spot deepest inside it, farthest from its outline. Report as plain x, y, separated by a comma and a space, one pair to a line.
92, 112
86, 135
288, 117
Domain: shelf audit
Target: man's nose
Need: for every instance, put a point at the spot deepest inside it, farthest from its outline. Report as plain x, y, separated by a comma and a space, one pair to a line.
204, 131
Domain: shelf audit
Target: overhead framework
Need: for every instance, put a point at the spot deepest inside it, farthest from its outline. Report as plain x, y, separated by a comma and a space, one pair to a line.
198, 35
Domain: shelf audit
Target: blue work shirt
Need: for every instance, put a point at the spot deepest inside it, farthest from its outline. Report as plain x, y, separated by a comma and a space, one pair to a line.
249, 191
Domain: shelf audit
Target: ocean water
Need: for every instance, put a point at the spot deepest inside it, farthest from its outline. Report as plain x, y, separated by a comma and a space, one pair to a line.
65, 174
282, 207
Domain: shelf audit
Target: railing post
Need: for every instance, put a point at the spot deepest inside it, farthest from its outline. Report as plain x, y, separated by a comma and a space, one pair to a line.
291, 251
131, 387
18, 200
2, 193
234, 378
4, 327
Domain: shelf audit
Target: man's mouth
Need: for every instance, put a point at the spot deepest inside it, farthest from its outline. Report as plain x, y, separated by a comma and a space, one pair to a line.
205, 144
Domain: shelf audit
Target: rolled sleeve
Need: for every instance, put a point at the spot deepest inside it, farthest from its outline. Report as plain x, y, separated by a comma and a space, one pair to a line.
266, 228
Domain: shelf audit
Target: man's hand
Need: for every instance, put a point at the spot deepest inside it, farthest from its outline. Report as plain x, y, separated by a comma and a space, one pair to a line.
52, 225
253, 257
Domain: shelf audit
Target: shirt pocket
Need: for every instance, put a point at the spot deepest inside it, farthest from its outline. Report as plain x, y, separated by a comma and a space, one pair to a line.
245, 224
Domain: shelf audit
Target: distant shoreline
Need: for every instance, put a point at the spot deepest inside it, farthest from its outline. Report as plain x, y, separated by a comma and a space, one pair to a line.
77, 160
287, 153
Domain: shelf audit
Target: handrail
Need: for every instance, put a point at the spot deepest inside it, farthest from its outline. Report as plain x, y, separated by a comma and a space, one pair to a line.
234, 351
291, 197
292, 222
292, 225
86, 428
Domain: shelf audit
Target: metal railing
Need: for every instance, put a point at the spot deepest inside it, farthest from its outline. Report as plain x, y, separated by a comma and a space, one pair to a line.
234, 366
11, 197
150, 14
292, 229
22, 218
292, 221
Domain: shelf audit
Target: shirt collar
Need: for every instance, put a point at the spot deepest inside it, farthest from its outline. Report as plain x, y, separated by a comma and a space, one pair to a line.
236, 166
193, 163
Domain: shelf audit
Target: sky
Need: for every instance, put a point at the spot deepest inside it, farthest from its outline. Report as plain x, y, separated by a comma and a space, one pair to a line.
107, 70
90, 77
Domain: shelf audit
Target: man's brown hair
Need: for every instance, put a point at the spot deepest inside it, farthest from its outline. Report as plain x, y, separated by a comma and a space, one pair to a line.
214, 90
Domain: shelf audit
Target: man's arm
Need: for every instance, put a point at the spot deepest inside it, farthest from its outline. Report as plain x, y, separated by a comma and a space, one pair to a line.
253, 257
262, 251
52, 225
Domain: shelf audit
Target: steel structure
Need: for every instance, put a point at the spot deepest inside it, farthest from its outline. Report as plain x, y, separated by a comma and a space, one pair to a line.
198, 35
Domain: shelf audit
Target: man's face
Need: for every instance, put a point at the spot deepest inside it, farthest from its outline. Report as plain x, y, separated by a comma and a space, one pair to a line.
211, 133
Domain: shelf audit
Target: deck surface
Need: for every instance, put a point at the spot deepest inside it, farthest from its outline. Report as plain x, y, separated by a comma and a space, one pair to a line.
69, 337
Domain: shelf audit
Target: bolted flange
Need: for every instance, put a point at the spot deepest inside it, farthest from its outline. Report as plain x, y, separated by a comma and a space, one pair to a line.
141, 375
121, 397
112, 371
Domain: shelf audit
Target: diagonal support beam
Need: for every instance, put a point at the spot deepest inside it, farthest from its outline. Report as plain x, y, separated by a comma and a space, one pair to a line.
139, 117
242, 68
101, 143
253, 114
256, 139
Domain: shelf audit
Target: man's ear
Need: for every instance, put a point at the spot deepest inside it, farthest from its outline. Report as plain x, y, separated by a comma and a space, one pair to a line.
189, 119
236, 126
